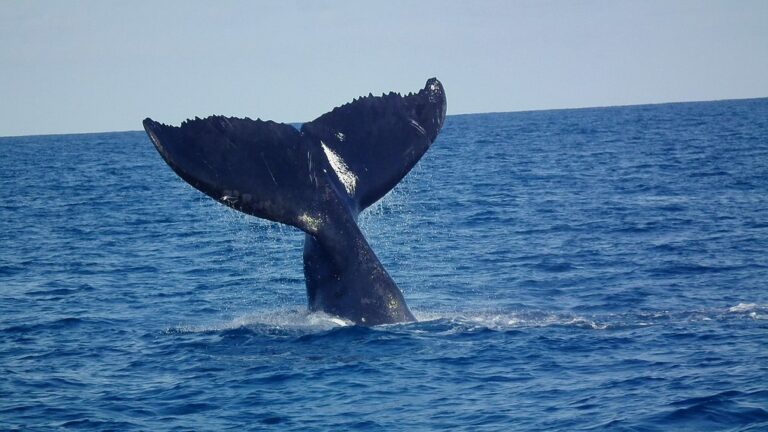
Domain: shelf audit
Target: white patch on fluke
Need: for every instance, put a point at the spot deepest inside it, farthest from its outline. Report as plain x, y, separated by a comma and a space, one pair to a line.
345, 175
418, 127
340, 136
310, 223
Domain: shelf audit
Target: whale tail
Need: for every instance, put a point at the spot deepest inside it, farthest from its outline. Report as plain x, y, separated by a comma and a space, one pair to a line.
317, 179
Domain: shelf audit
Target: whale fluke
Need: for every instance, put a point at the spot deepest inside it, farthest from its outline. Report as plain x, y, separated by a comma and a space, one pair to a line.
317, 179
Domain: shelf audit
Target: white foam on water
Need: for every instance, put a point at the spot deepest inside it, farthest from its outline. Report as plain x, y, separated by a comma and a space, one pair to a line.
752, 310
509, 320
301, 320
744, 307
461, 321
292, 319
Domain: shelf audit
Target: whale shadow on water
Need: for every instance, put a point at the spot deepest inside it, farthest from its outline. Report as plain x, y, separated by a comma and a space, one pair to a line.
317, 179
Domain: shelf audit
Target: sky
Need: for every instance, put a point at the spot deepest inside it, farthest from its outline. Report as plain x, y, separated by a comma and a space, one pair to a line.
94, 66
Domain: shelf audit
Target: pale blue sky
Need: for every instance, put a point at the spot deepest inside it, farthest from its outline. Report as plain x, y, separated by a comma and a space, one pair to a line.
86, 66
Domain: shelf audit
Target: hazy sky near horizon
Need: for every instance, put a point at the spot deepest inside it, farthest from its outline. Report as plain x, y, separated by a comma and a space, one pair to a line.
87, 66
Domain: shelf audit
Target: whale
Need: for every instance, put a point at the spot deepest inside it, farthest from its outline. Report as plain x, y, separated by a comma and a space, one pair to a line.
317, 178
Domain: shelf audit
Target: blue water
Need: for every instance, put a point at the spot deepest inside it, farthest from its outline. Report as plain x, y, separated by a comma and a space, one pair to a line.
591, 269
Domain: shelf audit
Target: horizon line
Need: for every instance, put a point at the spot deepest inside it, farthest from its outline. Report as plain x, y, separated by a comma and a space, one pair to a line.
449, 115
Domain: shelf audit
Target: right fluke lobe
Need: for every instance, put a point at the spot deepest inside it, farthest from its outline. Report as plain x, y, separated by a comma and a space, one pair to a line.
381, 138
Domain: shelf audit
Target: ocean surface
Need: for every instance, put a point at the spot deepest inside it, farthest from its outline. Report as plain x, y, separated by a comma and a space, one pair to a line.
591, 269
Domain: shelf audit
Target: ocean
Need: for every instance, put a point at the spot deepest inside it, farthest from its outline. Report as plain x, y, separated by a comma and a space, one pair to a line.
596, 269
